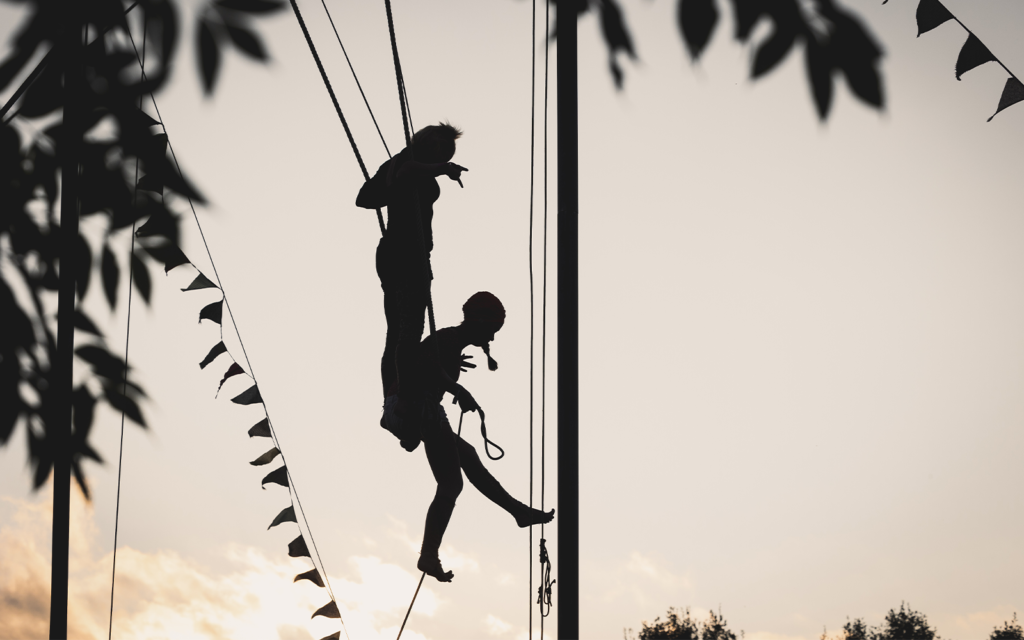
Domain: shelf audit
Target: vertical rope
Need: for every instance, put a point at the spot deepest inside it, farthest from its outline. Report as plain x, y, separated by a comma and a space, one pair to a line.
127, 335
544, 310
533, 139
402, 99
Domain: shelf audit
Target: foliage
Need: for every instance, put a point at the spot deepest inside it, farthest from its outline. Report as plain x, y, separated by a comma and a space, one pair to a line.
1011, 630
835, 42
686, 627
123, 144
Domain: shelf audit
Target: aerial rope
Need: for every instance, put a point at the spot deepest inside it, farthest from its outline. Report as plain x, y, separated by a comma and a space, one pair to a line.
334, 99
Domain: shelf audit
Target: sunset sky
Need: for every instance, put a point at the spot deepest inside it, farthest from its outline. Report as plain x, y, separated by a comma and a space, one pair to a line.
801, 344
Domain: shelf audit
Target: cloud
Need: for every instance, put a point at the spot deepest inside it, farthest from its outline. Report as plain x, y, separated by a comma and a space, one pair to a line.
495, 625
164, 595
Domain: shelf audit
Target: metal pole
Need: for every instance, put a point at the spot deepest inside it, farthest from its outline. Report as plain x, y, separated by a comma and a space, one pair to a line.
68, 152
568, 326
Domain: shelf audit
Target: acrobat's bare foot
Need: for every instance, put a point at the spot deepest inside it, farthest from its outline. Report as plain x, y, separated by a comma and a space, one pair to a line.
432, 567
534, 516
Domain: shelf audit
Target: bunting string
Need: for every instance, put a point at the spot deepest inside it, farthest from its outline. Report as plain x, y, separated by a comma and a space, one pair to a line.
172, 257
973, 54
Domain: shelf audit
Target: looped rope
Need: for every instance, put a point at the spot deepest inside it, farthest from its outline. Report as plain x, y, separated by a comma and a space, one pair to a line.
483, 432
544, 590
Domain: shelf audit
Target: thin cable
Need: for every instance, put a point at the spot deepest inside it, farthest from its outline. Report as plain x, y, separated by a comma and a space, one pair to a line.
356, 78
334, 99
127, 335
544, 296
423, 575
293, 489
533, 110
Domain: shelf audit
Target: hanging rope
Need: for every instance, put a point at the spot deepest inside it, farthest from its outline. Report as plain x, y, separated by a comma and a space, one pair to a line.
334, 99
533, 140
545, 564
544, 590
355, 77
399, 78
127, 335
292, 488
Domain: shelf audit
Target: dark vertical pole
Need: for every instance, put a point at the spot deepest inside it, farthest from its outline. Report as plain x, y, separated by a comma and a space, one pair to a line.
68, 150
568, 574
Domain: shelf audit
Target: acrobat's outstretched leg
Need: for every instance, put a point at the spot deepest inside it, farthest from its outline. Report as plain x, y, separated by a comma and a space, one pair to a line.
492, 489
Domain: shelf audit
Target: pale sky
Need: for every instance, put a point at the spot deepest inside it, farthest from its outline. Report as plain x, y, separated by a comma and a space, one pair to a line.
802, 345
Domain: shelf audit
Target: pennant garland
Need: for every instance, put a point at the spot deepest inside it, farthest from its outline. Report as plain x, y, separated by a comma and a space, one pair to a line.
172, 256
974, 53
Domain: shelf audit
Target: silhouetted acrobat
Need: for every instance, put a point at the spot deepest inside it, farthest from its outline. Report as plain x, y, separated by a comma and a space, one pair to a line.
406, 184
440, 361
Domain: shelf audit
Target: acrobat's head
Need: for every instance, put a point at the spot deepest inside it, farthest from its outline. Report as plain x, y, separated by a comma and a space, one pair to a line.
435, 143
482, 316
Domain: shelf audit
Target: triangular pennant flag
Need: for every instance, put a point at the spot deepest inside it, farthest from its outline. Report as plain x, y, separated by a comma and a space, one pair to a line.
277, 476
974, 53
287, 515
297, 548
930, 14
329, 610
266, 458
151, 182
201, 282
212, 311
159, 224
312, 575
169, 254
217, 349
233, 370
1013, 92
249, 396
334, 636
261, 429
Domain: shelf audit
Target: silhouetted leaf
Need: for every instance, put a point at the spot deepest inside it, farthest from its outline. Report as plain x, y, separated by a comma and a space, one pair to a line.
973, 54
855, 52
212, 311
329, 610
697, 20
773, 50
819, 71
261, 429
251, 6
266, 458
247, 41
103, 362
249, 396
169, 254
217, 349
209, 56
746, 14
84, 323
123, 403
111, 274
83, 406
1013, 92
930, 14
83, 266
140, 276
277, 476
201, 282
234, 370
151, 182
76, 471
613, 27
313, 576
286, 515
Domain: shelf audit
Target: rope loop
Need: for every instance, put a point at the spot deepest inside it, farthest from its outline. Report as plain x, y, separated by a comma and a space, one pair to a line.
544, 590
487, 441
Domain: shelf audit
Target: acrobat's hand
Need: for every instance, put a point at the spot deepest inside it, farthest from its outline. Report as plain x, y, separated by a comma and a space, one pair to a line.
454, 172
466, 365
466, 401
